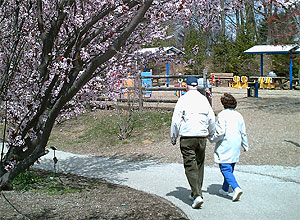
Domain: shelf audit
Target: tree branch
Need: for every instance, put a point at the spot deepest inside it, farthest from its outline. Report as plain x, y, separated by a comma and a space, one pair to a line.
49, 37
119, 42
40, 17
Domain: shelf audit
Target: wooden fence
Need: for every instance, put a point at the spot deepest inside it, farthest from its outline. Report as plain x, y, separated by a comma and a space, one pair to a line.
141, 89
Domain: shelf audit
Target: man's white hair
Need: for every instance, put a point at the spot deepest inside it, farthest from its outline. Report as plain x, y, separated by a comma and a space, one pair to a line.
191, 87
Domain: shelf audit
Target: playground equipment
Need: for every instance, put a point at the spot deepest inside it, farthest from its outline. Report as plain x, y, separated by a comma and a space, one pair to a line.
269, 82
128, 83
266, 83
236, 82
147, 83
244, 82
179, 93
275, 49
261, 81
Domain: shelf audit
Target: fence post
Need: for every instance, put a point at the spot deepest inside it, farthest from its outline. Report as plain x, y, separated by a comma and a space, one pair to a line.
204, 78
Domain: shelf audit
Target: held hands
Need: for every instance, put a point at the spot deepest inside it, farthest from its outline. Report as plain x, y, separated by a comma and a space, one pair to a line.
173, 140
245, 147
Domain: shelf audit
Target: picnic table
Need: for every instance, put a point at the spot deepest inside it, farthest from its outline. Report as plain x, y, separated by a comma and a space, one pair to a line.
280, 80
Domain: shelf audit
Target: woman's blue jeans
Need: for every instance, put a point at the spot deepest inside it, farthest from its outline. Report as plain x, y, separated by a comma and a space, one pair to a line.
229, 179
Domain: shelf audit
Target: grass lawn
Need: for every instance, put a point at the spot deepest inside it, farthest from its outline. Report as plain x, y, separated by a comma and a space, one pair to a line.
101, 129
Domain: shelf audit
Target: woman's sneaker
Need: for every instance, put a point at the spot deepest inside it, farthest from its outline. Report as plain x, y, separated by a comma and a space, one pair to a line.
222, 192
237, 194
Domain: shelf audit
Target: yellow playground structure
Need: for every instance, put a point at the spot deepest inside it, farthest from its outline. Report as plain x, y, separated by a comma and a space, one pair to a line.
239, 82
242, 82
266, 83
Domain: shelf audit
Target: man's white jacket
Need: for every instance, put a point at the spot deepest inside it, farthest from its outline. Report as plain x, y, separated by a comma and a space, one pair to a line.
192, 116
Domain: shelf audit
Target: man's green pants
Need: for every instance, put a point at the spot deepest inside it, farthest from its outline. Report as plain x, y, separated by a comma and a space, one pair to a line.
193, 152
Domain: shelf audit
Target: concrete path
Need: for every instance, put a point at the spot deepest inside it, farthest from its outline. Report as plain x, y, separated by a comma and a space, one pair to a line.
270, 192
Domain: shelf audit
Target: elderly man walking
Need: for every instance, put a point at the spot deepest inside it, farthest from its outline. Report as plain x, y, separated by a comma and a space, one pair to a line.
193, 120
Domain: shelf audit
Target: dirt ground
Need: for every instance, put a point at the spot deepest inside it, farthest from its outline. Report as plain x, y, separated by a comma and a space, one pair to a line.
93, 199
273, 128
272, 125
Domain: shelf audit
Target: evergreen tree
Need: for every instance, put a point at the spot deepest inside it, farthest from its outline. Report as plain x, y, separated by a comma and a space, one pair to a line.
194, 52
281, 65
229, 56
221, 54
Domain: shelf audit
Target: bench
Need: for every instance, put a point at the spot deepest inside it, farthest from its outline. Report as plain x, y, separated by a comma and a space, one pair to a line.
216, 78
276, 81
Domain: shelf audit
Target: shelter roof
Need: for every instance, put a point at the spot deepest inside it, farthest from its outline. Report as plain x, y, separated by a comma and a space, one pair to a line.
272, 49
167, 50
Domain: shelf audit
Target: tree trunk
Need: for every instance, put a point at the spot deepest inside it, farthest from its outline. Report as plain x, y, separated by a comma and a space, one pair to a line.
223, 26
250, 16
268, 13
238, 22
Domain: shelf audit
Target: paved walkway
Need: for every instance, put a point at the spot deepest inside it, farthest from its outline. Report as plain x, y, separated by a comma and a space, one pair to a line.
270, 192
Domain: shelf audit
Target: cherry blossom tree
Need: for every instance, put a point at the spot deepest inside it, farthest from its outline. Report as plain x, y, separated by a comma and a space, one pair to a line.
58, 54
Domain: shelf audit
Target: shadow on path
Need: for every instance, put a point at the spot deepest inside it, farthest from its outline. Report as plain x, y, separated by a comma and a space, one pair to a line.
182, 194
95, 167
213, 189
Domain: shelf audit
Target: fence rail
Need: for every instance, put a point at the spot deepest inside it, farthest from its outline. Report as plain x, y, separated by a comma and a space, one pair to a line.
158, 88
168, 76
144, 100
141, 89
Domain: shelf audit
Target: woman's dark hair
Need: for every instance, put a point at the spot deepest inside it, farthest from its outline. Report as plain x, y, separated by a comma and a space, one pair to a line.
228, 101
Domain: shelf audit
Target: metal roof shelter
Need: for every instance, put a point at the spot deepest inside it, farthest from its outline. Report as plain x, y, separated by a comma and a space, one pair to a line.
167, 50
275, 49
